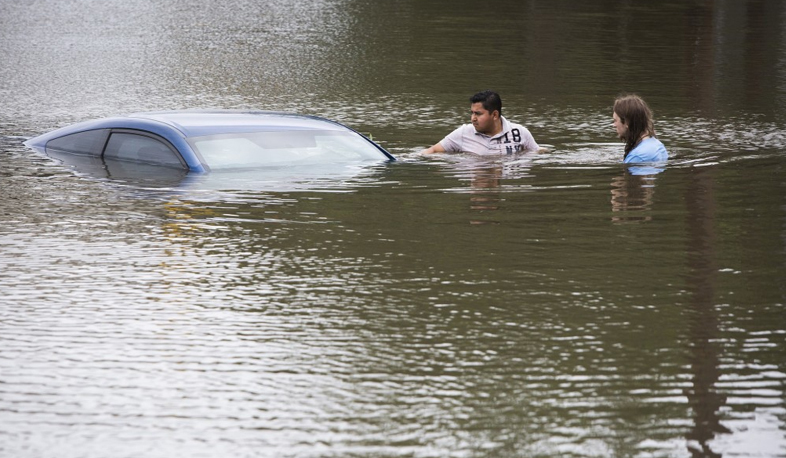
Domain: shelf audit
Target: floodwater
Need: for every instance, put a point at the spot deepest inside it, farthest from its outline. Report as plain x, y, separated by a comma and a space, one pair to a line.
552, 305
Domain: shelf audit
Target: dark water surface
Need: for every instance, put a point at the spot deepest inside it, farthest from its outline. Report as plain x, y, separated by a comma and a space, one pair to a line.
532, 306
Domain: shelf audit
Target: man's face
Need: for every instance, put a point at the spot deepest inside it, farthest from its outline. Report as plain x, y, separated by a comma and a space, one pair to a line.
482, 119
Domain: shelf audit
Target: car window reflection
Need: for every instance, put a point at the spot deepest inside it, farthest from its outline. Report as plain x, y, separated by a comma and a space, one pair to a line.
89, 143
142, 149
292, 146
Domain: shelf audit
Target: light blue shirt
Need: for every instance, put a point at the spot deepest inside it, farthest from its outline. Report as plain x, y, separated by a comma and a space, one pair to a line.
648, 150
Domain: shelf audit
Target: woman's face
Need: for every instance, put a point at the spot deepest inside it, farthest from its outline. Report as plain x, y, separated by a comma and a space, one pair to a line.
621, 127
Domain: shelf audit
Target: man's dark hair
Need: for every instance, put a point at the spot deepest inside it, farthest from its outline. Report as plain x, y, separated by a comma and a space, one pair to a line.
490, 100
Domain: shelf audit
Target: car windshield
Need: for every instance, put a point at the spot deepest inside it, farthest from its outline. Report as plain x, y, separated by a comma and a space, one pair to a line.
256, 149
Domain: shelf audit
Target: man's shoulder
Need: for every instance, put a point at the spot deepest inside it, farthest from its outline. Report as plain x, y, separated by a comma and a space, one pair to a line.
458, 138
508, 125
463, 130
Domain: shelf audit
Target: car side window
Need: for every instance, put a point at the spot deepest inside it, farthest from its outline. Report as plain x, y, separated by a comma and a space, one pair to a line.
90, 142
132, 147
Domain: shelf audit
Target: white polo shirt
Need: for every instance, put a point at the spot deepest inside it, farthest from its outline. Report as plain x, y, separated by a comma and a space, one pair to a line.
514, 138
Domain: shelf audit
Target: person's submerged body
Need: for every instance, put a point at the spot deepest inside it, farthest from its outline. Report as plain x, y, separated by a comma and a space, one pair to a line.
512, 138
489, 133
649, 149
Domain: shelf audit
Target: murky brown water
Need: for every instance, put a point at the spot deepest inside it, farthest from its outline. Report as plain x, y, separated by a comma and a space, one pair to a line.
549, 305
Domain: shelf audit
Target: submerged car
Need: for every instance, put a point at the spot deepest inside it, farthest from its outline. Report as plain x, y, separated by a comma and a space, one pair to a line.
205, 141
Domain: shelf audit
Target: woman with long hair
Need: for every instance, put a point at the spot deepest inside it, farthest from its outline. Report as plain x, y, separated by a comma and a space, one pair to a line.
633, 122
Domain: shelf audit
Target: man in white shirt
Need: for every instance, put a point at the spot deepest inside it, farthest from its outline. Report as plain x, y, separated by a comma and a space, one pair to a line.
489, 133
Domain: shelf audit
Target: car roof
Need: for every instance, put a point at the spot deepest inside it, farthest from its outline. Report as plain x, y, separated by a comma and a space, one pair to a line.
197, 123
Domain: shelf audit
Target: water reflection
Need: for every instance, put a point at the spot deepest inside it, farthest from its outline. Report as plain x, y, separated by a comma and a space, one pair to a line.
337, 177
374, 320
136, 174
485, 187
487, 179
704, 397
320, 318
632, 198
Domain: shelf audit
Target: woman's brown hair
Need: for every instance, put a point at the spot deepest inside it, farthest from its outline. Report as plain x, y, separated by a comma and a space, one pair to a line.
634, 113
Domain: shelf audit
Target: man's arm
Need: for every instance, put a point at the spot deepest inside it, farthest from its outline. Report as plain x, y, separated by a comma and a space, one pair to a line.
434, 149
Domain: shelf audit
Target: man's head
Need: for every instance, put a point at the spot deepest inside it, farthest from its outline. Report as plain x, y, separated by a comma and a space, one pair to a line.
486, 110
489, 99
